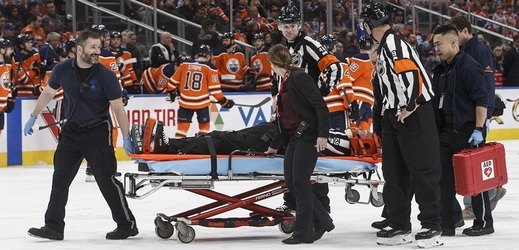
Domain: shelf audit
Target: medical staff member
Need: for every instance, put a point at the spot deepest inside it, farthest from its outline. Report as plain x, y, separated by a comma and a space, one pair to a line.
89, 90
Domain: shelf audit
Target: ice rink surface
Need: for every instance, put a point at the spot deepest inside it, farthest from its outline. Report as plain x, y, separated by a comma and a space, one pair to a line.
26, 190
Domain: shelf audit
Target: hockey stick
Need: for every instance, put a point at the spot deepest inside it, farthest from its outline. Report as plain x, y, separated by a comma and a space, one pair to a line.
267, 99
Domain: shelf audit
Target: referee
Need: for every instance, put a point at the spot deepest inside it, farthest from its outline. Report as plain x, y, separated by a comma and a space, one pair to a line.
89, 90
409, 135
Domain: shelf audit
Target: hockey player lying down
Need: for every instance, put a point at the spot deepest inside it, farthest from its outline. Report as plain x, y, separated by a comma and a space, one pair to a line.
257, 138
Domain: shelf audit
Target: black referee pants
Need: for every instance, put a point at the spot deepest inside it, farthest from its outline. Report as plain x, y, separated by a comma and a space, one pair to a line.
94, 144
411, 148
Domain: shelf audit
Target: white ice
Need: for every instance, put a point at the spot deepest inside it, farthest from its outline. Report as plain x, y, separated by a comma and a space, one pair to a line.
26, 192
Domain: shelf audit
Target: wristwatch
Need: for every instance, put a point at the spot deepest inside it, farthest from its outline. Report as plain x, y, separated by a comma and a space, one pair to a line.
480, 129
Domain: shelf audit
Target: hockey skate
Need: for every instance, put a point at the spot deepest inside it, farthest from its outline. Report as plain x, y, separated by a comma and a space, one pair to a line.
393, 237
427, 238
136, 135
160, 143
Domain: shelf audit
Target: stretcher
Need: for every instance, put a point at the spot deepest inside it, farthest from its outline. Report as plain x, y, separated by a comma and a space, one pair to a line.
198, 174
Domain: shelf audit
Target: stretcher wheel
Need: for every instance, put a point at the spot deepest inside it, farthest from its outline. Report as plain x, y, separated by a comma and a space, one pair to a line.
379, 202
163, 229
286, 227
352, 196
188, 236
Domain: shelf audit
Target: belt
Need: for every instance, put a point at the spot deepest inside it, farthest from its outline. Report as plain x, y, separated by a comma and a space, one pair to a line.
90, 123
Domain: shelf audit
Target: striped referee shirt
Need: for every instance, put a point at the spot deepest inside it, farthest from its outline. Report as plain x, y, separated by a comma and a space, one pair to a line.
404, 83
315, 59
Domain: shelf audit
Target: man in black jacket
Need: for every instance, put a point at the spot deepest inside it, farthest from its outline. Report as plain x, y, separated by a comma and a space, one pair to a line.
511, 64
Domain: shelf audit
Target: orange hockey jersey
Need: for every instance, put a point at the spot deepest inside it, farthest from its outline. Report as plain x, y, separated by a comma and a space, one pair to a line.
336, 100
232, 66
5, 89
261, 65
194, 81
45, 82
158, 80
361, 71
125, 62
27, 76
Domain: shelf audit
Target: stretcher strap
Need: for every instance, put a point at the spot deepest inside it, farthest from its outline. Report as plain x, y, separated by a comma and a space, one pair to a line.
212, 152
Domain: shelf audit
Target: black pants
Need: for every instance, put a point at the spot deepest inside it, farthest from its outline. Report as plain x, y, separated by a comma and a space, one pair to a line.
451, 142
94, 144
411, 148
299, 164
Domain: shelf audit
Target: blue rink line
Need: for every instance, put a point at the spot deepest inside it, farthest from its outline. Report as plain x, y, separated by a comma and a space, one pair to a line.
14, 136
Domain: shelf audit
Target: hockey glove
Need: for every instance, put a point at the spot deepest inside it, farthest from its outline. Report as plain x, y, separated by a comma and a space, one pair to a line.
128, 145
27, 130
354, 111
226, 103
476, 138
36, 90
170, 96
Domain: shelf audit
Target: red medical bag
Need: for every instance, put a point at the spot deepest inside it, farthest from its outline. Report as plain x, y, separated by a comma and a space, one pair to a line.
480, 169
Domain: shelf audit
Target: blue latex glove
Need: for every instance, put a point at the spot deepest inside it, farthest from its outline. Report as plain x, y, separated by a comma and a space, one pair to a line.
27, 130
128, 145
476, 138
487, 125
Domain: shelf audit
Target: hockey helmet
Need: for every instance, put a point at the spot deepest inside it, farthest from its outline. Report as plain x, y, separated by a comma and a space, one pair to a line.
71, 42
258, 36
228, 35
5, 43
115, 34
22, 38
100, 29
62, 50
328, 41
374, 15
289, 14
180, 59
204, 50
365, 42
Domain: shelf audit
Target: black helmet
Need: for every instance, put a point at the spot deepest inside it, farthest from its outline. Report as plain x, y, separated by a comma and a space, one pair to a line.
375, 15
228, 35
258, 36
180, 59
5, 43
22, 38
115, 34
328, 41
204, 50
100, 29
365, 43
71, 42
62, 50
289, 14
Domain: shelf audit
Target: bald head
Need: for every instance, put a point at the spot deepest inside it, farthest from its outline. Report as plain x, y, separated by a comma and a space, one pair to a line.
165, 38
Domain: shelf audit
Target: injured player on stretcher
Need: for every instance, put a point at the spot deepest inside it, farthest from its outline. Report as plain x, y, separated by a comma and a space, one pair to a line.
255, 139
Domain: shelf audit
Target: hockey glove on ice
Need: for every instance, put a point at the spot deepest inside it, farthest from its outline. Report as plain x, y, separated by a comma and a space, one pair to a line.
476, 138
128, 145
27, 130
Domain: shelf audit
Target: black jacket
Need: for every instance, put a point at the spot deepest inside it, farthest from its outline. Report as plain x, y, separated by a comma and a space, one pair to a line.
511, 66
309, 105
464, 90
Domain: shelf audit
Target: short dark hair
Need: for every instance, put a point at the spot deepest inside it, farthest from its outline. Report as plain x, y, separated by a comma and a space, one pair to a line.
84, 35
445, 29
460, 22
515, 38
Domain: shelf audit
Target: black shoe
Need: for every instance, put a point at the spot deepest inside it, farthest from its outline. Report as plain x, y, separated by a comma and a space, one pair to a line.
448, 232
380, 224
292, 241
389, 232
478, 231
121, 234
45, 232
160, 140
319, 233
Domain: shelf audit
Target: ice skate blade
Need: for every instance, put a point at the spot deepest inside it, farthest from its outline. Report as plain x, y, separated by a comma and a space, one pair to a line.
428, 243
397, 240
